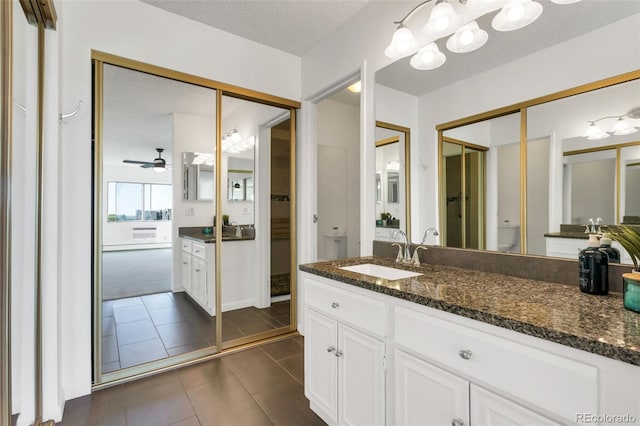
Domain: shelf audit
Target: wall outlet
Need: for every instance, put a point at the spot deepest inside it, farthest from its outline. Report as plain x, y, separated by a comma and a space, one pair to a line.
189, 211
246, 210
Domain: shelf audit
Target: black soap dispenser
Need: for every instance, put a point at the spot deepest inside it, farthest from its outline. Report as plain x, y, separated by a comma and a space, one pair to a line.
605, 245
594, 268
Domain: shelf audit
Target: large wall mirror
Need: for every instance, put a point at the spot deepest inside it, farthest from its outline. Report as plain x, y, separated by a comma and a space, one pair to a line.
392, 186
573, 158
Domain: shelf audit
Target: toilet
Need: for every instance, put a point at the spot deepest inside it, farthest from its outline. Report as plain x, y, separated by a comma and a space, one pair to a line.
335, 246
509, 238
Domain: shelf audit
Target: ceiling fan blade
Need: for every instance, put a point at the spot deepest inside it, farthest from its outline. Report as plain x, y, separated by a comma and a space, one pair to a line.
147, 165
136, 162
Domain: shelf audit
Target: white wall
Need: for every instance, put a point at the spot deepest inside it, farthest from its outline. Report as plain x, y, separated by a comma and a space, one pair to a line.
338, 128
145, 33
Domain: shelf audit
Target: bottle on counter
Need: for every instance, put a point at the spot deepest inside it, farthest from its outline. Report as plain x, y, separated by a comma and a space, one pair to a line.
605, 245
593, 265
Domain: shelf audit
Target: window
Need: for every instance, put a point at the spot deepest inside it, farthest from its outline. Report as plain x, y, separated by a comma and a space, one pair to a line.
127, 201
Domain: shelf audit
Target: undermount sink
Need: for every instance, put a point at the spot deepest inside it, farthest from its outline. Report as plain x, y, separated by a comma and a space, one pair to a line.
379, 271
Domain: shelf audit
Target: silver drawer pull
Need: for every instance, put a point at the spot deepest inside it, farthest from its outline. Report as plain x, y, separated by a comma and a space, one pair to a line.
335, 305
338, 354
331, 349
197, 270
457, 422
184, 263
465, 354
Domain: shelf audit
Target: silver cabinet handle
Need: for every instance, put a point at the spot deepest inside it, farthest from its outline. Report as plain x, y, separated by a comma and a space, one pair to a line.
184, 263
335, 305
457, 422
338, 354
197, 270
465, 354
331, 349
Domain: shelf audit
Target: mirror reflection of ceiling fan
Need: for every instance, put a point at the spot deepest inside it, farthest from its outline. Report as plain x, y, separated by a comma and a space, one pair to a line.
158, 164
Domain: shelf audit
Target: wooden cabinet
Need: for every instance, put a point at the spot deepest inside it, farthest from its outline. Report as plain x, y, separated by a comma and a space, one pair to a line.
344, 366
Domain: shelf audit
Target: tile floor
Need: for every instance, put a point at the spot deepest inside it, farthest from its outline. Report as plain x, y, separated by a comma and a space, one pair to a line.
259, 386
140, 329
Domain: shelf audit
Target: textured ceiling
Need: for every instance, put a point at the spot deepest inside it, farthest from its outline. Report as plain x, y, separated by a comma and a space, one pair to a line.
293, 26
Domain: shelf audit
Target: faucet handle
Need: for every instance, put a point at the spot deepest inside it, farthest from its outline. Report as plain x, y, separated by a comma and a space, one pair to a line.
399, 256
416, 257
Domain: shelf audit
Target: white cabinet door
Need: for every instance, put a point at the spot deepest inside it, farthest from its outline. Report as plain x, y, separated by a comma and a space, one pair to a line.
426, 395
321, 369
199, 280
185, 271
361, 392
489, 409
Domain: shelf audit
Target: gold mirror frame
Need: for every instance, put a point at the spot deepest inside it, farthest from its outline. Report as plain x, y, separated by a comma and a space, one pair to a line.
522, 108
407, 169
98, 58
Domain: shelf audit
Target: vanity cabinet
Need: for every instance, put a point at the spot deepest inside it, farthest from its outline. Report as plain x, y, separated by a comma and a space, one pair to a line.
198, 273
344, 361
441, 368
426, 394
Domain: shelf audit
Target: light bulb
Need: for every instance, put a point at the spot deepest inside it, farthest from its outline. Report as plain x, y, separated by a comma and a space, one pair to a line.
623, 126
442, 19
466, 37
428, 58
595, 132
441, 23
402, 43
515, 13
159, 169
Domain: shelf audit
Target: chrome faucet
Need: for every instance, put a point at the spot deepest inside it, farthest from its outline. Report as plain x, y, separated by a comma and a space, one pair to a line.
427, 232
407, 255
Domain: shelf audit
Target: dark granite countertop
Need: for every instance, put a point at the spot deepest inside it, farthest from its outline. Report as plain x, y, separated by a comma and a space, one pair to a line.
195, 233
561, 234
556, 312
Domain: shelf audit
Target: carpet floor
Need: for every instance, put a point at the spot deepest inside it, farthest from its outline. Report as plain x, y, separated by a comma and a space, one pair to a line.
130, 273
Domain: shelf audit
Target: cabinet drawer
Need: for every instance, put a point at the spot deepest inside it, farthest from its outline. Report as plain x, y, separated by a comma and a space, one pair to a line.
198, 250
555, 383
186, 245
359, 310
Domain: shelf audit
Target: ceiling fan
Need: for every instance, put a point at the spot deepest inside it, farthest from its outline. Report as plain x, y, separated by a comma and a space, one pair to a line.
158, 164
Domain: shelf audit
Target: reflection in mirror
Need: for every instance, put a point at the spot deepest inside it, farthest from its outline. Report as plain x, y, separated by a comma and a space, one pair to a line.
255, 260
147, 117
240, 179
487, 158
198, 176
577, 158
392, 181
630, 181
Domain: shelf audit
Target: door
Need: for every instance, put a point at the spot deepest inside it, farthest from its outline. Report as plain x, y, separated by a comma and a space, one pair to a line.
321, 367
488, 408
199, 279
426, 395
361, 394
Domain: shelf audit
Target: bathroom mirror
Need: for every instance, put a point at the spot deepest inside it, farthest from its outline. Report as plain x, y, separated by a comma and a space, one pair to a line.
392, 180
198, 176
240, 179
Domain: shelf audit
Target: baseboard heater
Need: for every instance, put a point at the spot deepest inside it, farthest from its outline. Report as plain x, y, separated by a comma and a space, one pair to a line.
148, 233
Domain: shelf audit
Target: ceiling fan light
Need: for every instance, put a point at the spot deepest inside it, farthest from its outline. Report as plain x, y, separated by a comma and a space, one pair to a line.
623, 126
403, 43
159, 169
428, 58
595, 132
516, 14
467, 38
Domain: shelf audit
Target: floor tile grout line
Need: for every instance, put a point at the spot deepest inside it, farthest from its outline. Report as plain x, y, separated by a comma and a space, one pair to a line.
278, 363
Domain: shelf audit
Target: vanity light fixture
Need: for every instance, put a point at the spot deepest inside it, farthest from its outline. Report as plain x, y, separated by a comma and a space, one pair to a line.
355, 87
622, 126
233, 143
456, 19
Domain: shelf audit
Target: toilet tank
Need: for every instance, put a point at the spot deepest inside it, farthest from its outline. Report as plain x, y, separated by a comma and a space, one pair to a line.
335, 246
